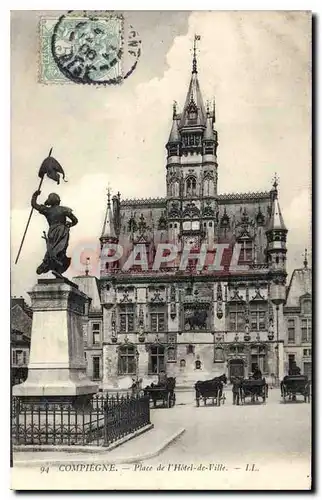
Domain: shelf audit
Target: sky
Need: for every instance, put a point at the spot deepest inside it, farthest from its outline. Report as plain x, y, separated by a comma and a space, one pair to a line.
257, 65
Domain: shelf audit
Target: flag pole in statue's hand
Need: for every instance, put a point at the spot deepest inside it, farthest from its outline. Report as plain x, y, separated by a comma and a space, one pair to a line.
31, 211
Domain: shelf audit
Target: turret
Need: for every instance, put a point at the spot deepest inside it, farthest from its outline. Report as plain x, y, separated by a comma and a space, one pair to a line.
108, 236
210, 138
173, 144
209, 159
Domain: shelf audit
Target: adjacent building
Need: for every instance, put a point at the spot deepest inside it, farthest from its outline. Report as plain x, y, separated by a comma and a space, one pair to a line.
298, 320
20, 335
93, 326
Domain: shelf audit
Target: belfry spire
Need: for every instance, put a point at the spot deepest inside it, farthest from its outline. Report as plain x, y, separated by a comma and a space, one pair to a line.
194, 59
194, 112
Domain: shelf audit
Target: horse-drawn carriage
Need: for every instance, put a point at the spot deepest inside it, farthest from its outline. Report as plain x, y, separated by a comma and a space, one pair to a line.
211, 389
253, 388
162, 392
292, 385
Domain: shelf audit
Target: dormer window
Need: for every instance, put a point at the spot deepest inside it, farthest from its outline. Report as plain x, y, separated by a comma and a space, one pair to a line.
246, 251
307, 307
224, 222
192, 115
260, 219
192, 111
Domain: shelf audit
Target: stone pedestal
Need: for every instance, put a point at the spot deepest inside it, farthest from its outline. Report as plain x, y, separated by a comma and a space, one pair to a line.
57, 367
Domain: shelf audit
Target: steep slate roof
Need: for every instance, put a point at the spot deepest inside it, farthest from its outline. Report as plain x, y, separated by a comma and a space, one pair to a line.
108, 230
276, 220
194, 98
20, 321
174, 134
300, 284
89, 286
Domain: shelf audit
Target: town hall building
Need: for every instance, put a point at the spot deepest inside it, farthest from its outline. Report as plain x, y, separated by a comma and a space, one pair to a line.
194, 323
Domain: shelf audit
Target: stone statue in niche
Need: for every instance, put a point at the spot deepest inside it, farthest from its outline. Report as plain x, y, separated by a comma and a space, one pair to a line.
198, 364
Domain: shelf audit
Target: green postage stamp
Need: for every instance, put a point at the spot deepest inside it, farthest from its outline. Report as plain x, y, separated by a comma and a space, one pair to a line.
86, 49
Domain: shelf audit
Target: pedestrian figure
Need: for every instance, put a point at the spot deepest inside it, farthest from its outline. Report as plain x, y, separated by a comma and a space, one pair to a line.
162, 378
257, 375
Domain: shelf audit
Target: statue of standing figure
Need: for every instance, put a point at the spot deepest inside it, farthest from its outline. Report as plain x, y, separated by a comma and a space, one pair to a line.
58, 234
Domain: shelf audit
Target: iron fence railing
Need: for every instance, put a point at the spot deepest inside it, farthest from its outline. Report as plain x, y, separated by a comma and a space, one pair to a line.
105, 420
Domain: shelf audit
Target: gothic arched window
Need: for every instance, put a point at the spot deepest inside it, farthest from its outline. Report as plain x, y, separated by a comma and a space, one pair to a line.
191, 186
175, 189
